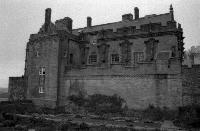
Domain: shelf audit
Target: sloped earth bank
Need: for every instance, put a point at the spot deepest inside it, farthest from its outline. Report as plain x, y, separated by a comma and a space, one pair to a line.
70, 122
84, 116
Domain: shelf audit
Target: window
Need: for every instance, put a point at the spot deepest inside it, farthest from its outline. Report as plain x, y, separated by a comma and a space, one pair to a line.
71, 58
37, 53
41, 89
42, 71
93, 59
65, 54
151, 49
138, 57
145, 27
114, 58
173, 49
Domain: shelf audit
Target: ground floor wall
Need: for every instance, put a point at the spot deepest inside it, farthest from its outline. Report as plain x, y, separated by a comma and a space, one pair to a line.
139, 91
50, 103
191, 85
16, 88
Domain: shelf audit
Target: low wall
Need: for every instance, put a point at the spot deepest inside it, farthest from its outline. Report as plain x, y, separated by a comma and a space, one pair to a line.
139, 91
16, 88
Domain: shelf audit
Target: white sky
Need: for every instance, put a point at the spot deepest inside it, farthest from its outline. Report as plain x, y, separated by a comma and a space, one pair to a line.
20, 18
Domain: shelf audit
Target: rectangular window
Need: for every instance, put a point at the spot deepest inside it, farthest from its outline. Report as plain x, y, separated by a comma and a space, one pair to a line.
41, 89
138, 57
42, 71
65, 54
37, 53
114, 58
145, 27
92, 59
71, 58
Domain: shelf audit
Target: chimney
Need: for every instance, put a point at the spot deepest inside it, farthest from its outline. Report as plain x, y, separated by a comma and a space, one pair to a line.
47, 18
69, 23
127, 17
171, 10
89, 21
136, 11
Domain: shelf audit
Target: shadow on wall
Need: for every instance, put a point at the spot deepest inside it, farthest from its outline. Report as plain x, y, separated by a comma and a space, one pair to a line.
77, 88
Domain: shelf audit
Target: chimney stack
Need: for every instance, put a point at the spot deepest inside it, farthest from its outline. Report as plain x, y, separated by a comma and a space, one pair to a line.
47, 18
136, 11
69, 23
89, 21
171, 10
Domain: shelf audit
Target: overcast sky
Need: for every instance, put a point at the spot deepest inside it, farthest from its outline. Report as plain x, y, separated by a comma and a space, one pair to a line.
20, 18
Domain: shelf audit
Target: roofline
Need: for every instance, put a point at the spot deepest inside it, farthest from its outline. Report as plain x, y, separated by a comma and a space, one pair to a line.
116, 22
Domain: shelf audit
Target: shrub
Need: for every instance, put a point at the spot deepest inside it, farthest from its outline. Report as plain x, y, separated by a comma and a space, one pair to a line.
17, 107
99, 103
189, 115
157, 113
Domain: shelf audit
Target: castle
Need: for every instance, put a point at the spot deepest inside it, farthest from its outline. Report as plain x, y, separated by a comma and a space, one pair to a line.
138, 58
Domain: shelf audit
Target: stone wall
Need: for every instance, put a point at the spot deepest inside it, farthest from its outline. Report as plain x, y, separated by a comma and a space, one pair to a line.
139, 91
157, 82
191, 85
42, 52
65, 55
16, 88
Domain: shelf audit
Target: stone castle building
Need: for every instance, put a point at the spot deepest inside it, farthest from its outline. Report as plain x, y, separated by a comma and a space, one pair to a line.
138, 58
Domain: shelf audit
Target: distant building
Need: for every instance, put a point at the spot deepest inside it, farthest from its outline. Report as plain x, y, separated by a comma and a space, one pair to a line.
191, 76
192, 56
138, 58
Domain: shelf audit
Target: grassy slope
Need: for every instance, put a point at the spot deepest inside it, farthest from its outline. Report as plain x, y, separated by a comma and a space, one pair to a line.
3, 92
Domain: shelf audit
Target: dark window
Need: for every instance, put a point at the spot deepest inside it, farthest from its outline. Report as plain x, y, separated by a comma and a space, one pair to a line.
151, 48
145, 27
71, 59
155, 26
123, 30
65, 53
138, 57
42, 71
173, 49
132, 29
114, 58
92, 59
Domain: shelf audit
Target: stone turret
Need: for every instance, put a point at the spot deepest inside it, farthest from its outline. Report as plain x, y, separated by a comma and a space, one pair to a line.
64, 24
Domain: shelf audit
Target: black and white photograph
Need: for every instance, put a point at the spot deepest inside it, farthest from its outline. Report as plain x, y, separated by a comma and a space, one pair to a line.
99, 65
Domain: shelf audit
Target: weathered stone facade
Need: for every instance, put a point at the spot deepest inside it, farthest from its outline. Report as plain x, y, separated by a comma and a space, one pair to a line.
191, 85
17, 88
138, 59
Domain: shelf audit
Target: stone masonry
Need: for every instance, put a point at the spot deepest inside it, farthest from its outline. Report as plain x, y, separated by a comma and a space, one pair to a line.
137, 58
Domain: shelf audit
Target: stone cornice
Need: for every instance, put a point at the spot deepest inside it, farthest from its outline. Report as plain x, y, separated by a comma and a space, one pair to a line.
142, 35
61, 34
42, 37
149, 76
